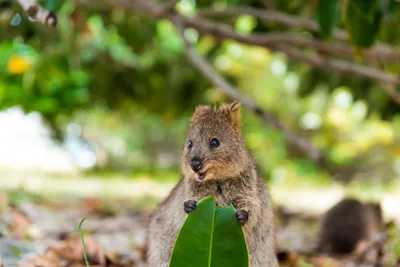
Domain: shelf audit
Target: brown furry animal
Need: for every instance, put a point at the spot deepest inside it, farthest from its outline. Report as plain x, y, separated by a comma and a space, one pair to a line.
347, 223
215, 162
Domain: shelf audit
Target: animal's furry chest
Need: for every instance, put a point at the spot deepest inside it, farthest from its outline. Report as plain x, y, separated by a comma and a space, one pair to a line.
224, 193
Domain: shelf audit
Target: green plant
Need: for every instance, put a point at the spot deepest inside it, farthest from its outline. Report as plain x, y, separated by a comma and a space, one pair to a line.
210, 236
83, 243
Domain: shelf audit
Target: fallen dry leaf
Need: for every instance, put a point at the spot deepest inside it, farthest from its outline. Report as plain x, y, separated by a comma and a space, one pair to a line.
323, 261
18, 223
71, 250
91, 204
49, 259
142, 251
115, 260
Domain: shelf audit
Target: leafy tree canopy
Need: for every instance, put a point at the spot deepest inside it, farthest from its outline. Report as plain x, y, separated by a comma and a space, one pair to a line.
322, 75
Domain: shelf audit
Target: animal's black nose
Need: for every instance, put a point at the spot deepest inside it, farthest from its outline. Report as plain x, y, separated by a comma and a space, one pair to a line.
195, 164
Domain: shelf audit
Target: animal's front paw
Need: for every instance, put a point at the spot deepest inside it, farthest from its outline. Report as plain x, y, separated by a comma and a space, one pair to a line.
189, 206
242, 216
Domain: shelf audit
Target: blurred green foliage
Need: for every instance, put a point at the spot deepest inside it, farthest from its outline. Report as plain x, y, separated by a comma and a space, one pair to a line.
126, 80
327, 14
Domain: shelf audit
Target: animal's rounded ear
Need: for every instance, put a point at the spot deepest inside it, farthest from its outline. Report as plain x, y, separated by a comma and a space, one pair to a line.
234, 111
235, 106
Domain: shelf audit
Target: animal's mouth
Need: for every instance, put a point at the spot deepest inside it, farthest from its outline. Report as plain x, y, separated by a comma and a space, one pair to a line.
201, 175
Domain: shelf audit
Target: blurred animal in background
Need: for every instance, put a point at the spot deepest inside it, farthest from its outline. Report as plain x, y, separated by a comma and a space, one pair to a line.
351, 226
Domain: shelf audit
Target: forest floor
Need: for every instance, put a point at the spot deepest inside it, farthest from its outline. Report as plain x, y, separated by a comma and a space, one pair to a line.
39, 218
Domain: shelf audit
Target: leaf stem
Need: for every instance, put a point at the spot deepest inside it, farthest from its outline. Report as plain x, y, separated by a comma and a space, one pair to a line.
83, 242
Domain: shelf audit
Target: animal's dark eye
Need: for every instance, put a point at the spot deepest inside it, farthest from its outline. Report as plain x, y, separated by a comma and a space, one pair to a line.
190, 144
214, 143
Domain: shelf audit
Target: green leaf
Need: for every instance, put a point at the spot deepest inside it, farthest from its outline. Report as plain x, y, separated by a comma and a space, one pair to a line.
210, 236
54, 5
397, 249
16, 250
363, 20
118, 49
46, 105
168, 39
245, 24
327, 15
390, 8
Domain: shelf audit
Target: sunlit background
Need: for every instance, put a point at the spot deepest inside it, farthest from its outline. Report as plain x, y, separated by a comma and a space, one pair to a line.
104, 100
99, 108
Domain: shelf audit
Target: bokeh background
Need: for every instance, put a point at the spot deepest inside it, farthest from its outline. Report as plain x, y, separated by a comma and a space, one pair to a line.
99, 107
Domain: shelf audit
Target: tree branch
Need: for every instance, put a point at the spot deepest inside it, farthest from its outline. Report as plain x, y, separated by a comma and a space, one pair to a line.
200, 63
391, 92
270, 41
269, 15
267, 3
379, 51
336, 49
168, 7
221, 31
339, 65
38, 13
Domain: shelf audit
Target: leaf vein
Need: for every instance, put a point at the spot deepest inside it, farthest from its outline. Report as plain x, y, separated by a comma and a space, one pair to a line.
212, 235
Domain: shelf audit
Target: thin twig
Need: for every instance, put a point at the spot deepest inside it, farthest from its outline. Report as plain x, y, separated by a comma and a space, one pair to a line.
339, 65
38, 13
267, 3
390, 89
168, 7
224, 32
331, 48
271, 41
221, 31
380, 51
391, 92
209, 72
293, 21
270, 15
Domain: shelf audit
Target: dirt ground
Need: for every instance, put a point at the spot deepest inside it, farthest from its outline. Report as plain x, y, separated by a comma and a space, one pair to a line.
43, 231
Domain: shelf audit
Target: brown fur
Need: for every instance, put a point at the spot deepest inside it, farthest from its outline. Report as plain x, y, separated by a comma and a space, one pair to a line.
348, 223
230, 176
